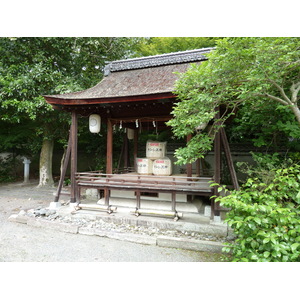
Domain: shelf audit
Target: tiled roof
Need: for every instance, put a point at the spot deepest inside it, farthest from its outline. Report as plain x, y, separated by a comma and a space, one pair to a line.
139, 76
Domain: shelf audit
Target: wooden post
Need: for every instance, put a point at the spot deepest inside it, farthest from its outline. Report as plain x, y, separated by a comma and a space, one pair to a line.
189, 167
217, 174
173, 201
135, 147
198, 173
74, 138
65, 166
126, 153
109, 148
229, 159
138, 199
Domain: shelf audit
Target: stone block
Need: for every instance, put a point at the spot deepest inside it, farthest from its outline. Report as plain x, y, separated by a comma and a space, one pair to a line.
54, 205
196, 245
18, 218
207, 211
217, 219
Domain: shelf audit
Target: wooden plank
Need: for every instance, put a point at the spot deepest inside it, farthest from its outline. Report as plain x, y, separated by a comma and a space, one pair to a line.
168, 189
97, 174
140, 182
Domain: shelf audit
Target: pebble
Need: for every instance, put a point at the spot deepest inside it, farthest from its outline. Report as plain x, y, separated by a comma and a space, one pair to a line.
103, 225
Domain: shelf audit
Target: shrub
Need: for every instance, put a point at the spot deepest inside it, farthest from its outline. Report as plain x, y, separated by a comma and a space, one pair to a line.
265, 218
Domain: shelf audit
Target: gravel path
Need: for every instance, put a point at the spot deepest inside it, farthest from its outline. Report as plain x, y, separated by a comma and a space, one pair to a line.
20, 243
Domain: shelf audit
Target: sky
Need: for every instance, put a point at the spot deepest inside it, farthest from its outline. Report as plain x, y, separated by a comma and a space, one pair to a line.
149, 18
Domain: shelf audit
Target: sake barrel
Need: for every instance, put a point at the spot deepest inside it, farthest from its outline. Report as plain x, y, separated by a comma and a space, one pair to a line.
162, 166
144, 166
155, 150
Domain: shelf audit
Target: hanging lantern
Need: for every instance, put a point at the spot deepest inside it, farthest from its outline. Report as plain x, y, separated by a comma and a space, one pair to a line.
130, 133
94, 123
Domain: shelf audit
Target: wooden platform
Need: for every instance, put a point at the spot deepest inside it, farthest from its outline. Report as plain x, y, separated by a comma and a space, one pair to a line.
145, 183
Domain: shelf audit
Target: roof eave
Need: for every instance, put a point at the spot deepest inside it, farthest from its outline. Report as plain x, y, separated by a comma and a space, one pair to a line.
109, 100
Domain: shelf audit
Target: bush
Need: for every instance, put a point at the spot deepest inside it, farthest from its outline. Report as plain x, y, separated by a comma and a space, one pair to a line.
265, 218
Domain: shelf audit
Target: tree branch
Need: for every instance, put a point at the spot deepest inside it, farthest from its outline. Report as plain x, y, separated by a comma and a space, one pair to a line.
278, 99
281, 90
287, 99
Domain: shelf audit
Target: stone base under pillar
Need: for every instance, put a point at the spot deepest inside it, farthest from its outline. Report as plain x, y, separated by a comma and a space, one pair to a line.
54, 205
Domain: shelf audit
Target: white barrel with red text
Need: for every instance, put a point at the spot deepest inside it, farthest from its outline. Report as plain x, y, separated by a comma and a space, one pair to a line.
144, 166
155, 150
162, 166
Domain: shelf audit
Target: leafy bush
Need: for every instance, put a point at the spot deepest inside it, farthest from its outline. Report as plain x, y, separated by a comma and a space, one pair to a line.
265, 165
265, 218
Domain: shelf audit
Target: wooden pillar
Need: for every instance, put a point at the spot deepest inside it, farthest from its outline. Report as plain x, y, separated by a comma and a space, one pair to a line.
126, 153
229, 159
189, 167
74, 128
135, 147
109, 148
198, 173
217, 174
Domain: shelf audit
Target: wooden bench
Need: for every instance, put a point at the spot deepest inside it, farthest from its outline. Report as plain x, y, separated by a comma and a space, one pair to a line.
145, 183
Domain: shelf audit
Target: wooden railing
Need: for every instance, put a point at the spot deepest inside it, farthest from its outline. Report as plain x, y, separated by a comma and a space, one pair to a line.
145, 183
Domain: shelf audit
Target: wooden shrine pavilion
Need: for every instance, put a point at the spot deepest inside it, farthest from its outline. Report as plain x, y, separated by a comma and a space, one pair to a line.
134, 92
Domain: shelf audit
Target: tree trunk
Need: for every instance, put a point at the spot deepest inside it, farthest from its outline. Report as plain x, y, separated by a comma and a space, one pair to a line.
296, 112
46, 163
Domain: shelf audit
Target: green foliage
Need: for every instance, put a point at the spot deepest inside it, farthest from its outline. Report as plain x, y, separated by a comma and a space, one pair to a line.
196, 147
161, 45
31, 67
266, 165
253, 73
269, 125
265, 218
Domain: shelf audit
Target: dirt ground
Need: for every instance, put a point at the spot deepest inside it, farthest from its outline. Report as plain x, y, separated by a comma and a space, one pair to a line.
23, 243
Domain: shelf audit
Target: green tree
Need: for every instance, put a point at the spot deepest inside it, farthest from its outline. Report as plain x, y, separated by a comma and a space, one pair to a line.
161, 45
32, 67
241, 71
